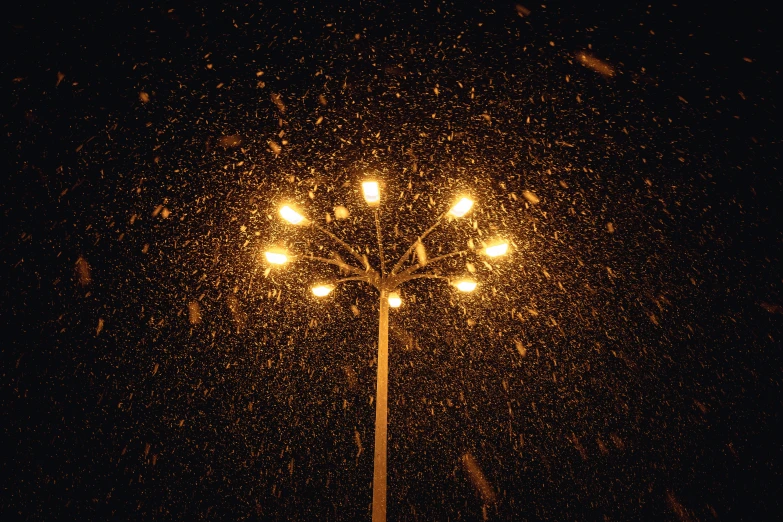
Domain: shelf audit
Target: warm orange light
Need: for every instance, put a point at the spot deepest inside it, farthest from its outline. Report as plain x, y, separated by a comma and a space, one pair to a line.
394, 300
322, 290
291, 215
497, 249
466, 285
372, 192
276, 258
462, 207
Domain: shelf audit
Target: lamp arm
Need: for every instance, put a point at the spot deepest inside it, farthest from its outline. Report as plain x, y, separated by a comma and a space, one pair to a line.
371, 279
400, 279
413, 245
415, 267
345, 245
445, 256
341, 264
380, 241
354, 278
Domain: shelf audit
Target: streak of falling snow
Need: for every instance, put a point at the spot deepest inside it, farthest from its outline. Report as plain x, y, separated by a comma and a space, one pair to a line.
620, 362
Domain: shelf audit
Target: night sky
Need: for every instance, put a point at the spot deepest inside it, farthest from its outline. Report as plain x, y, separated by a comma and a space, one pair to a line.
623, 362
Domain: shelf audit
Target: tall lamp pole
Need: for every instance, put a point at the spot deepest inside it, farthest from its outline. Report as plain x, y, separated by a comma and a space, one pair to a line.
387, 284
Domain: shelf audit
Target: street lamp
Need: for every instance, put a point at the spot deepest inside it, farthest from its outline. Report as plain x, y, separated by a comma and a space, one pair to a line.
395, 301
372, 193
496, 249
387, 284
291, 215
322, 290
276, 257
462, 207
466, 285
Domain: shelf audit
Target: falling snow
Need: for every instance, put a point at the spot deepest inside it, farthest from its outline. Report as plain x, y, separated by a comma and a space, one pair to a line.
620, 362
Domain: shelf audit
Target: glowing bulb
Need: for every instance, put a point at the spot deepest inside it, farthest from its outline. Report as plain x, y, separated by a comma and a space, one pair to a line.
496, 250
322, 290
394, 300
372, 193
462, 207
276, 258
291, 215
466, 285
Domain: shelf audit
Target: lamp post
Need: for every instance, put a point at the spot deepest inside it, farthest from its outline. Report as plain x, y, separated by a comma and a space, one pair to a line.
387, 283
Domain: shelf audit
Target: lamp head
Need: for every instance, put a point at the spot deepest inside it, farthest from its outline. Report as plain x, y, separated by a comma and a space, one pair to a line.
372, 193
496, 249
291, 215
322, 290
395, 300
466, 285
276, 256
461, 208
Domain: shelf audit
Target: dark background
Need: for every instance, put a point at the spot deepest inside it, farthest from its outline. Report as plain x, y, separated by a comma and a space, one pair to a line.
650, 382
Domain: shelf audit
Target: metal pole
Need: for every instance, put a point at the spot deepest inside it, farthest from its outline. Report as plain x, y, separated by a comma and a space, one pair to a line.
379, 463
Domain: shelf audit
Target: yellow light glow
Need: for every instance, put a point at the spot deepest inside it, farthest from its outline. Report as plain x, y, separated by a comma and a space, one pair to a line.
394, 300
498, 249
276, 258
372, 192
466, 285
322, 290
462, 207
291, 215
